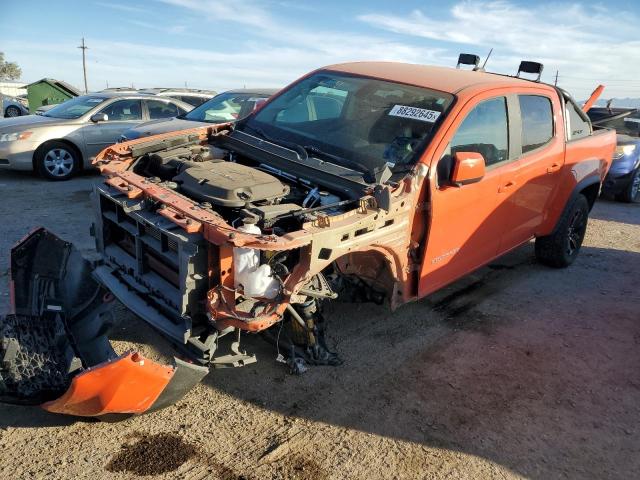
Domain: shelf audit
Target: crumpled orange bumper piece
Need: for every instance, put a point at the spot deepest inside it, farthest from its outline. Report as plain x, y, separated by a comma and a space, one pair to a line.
128, 384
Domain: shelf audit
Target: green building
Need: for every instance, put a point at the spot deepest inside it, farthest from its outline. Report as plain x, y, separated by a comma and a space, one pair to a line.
49, 91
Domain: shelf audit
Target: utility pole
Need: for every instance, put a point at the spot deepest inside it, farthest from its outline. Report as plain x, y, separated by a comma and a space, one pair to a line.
84, 48
556, 82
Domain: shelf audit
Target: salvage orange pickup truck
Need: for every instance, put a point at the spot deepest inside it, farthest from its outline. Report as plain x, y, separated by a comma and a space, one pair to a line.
364, 181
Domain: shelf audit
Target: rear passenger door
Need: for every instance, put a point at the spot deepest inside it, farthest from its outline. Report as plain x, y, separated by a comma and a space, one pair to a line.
467, 221
121, 115
538, 144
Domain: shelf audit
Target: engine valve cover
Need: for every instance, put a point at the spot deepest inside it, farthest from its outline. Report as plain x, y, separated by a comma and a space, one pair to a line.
229, 184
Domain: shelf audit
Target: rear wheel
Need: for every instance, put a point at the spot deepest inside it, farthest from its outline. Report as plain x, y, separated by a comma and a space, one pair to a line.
561, 248
57, 161
12, 111
631, 194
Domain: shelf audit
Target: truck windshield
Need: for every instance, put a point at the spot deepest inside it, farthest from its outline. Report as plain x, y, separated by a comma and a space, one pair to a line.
353, 120
74, 108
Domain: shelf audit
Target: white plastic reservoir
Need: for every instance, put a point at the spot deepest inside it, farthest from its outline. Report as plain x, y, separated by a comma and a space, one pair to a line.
255, 279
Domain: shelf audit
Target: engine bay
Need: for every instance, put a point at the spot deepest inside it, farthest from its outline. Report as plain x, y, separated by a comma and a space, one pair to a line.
238, 188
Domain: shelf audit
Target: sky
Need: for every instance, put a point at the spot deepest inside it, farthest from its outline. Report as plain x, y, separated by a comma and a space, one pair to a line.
269, 43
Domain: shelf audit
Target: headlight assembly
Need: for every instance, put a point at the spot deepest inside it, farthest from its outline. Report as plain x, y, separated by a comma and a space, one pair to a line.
622, 150
10, 137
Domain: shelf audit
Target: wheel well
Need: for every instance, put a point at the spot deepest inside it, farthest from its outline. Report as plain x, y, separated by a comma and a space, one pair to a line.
591, 192
68, 143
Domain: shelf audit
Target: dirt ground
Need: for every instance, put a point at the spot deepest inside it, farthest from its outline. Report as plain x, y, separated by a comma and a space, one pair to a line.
518, 371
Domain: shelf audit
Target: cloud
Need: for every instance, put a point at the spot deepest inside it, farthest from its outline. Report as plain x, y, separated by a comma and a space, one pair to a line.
236, 11
251, 43
594, 43
121, 7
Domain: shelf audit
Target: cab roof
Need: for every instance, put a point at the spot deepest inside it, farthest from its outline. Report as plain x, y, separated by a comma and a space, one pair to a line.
444, 79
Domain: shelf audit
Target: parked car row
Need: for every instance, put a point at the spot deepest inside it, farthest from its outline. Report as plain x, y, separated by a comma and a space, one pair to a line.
16, 107
65, 138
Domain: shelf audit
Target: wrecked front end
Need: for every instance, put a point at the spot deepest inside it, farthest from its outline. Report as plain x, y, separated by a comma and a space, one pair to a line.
204, 234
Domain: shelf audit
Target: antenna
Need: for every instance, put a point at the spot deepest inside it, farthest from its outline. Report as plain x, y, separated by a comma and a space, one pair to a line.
486, 60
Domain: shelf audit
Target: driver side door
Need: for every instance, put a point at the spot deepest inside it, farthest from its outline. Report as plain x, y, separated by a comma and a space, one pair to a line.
467, 221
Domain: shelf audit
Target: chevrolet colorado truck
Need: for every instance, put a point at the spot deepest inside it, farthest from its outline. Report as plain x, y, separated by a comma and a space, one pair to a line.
363, 181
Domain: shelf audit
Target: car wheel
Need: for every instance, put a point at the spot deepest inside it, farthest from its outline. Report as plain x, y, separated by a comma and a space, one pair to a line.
57, 161
631, 194
12, 111
561, 248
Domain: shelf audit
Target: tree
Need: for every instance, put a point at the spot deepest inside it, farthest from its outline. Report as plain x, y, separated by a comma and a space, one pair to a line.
9, 70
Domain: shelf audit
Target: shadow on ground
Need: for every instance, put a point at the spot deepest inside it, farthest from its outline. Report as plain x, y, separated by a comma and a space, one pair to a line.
532, 368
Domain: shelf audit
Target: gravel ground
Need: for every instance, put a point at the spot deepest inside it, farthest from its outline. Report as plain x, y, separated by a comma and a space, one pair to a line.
516, 371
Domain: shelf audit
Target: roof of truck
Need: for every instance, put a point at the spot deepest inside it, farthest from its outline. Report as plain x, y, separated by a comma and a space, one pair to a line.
445, 79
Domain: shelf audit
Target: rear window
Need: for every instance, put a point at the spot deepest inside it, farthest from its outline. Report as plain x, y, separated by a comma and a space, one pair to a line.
577, 126
193, 100
537, 121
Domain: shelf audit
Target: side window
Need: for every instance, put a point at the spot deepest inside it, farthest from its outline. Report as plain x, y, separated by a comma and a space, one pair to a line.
577, 126
485, 130
537, 121
123, 110
158, 109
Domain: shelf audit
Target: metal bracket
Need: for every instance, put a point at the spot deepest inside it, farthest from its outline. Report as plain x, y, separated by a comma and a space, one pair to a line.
236, 359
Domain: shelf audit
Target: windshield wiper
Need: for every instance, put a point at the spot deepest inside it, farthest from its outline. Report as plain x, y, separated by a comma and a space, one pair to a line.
338, 160
300, 151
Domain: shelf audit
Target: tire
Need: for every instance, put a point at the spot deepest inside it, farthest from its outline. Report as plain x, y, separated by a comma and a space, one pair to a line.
12, 111
631, 194
57, 161
561, 248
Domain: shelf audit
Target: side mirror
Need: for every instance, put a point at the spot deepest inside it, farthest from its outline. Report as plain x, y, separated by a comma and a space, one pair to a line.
468, 168
99, 117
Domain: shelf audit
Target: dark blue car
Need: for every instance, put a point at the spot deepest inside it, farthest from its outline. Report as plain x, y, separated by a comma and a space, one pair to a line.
623, 179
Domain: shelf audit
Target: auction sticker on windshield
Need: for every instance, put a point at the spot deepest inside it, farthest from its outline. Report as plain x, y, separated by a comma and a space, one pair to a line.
421, 114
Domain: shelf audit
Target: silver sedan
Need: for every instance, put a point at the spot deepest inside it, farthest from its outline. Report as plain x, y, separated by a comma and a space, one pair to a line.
67, 138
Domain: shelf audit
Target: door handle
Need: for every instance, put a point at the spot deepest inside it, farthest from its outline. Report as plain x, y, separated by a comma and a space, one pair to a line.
507, 186
554, 167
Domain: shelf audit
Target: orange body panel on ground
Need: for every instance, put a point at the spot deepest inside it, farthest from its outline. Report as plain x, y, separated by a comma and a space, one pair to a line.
129, 384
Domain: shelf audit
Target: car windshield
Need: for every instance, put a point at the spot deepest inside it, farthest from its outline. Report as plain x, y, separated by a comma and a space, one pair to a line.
351, 120
74, 108
226, 107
